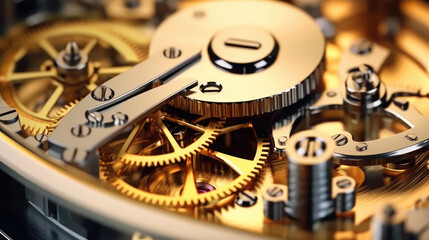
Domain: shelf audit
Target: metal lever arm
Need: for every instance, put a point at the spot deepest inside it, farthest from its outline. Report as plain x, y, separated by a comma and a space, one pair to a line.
120, 102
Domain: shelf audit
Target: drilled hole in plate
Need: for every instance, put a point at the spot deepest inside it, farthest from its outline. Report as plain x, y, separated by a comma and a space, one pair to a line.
211, 88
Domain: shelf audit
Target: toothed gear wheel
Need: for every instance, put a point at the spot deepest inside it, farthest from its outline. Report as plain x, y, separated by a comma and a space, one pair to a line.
250, 64
214, 174
163, 138
60, 114
37, 78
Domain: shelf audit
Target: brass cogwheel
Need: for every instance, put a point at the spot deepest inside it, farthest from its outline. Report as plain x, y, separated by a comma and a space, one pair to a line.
60, 114
226, 167
35, 81
163, 138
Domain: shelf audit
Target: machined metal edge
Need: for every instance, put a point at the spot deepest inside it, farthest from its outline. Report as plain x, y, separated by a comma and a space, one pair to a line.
257, 106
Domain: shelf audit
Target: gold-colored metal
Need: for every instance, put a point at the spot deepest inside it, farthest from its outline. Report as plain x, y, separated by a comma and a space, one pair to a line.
60, 114
153, 143
33, 84
215, 173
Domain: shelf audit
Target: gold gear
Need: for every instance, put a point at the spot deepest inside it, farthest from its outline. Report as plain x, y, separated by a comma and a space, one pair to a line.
60, 114
179, 185
152, 143
31, 81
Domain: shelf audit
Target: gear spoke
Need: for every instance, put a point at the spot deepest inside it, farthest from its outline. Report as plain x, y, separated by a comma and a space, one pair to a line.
169, 136
48, 48
190, 187
39, 56
53, 99
235, 128
129, 139
26, 76
240, 165
185, 124
89, 46
149, 149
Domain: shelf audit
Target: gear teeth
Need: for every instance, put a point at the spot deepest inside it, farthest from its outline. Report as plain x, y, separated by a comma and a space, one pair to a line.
212, 131
238, 184
31, 123
60, 114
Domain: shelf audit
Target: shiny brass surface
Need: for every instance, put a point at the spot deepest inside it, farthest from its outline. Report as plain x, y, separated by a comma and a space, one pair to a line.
190, 164
34, 84
214, 173
163, 138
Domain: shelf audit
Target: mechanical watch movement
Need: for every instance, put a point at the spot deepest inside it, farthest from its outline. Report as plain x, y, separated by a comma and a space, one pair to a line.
144, 119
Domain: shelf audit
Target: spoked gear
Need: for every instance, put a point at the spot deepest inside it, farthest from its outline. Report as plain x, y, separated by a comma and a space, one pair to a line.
163, 138
56, 64
216, 173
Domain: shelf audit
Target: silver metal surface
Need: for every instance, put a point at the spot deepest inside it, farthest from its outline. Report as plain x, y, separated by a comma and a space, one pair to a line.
246, 198
275, 197
344, 193
310, 176
389, 223
77, 130
353, 152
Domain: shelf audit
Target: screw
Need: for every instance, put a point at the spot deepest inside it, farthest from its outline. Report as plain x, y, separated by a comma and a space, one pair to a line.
340, 139
344, 183
119, 118
72, 54
411, 137
331, 94
73, 155
172, 52
310, 147
362, 47
361, 76
41, 137
95, 119
282, 140
275, 191
102, 93
8, 115
246, 198
362, 147
80, 130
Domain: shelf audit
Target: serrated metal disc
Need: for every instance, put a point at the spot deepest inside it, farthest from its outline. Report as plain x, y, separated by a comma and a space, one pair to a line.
257, 57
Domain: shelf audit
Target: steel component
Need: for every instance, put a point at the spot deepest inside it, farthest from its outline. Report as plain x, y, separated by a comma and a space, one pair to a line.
126, 98
344, 193
102, 93
364, 90
119, 118
8, 115
95, 119
310, 176
395, 148
74, 156
362, 52
188, 193
33, 66
389, 223
72, 64
176, 147
246, 198
251, 51
275, 197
